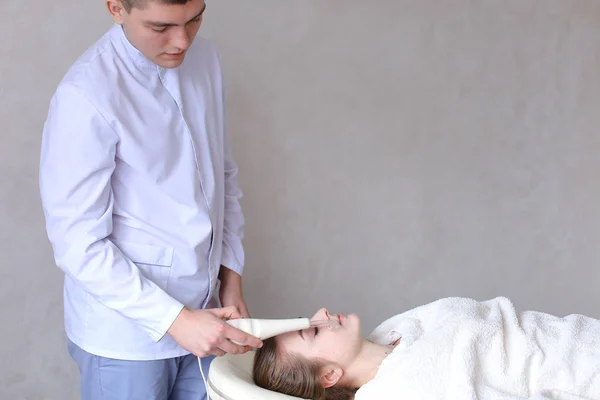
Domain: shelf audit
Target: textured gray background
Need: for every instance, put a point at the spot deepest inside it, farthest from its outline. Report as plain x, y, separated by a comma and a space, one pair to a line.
391, 152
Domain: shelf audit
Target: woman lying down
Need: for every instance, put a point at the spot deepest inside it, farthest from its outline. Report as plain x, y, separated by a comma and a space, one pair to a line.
453, 348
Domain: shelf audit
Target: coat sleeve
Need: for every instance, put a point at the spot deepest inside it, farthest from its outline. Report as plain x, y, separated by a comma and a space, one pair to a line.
76, 166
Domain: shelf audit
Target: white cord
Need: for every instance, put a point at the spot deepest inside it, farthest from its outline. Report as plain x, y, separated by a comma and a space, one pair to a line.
203, 378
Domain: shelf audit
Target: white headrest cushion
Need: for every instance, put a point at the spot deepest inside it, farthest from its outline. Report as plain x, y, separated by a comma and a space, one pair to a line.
230, 378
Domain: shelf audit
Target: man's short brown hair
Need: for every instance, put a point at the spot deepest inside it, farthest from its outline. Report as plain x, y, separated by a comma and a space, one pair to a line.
129, 4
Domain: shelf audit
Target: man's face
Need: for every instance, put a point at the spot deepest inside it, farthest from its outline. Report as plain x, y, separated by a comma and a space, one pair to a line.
161, 32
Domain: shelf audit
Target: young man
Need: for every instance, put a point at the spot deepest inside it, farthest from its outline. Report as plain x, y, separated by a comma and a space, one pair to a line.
142, 207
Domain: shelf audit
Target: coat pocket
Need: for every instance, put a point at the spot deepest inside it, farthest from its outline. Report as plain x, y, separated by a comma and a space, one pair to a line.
153, 261
147, 254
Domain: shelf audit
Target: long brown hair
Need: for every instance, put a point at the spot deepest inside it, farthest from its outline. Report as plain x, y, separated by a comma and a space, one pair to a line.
292, 375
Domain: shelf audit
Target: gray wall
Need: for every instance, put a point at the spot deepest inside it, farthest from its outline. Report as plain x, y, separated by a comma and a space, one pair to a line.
391, 153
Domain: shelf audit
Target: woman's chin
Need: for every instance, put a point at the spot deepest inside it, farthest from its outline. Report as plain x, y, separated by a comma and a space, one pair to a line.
352, 323
353, 319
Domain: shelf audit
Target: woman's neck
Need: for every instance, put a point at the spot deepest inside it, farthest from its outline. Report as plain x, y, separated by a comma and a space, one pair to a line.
365, 366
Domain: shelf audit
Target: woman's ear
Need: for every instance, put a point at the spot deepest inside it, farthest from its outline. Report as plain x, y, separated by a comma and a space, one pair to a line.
330, 375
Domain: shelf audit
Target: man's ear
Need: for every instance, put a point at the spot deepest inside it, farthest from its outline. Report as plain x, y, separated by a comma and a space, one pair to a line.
330, 375
116, 11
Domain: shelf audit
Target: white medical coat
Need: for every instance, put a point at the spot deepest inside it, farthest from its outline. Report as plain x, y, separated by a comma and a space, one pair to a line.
140, 195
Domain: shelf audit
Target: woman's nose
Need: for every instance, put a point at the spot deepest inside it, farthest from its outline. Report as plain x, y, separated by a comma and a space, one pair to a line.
321, 314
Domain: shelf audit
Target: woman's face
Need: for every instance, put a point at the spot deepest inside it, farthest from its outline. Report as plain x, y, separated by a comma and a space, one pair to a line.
338, 345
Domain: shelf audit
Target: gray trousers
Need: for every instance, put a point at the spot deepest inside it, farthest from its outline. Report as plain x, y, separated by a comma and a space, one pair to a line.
171, 379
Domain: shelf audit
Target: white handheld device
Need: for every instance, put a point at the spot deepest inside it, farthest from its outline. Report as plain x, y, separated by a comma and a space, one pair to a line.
267, 328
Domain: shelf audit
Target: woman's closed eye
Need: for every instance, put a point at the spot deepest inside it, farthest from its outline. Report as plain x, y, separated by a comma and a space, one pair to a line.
315, 333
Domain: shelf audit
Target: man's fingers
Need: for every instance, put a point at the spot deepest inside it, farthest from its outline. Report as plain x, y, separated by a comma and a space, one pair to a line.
244, 311
244, 349
230, 347
218, 352
230, 312
234, 348
242, 337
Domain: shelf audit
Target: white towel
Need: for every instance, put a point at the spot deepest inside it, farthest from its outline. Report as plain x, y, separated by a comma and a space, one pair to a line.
462, 349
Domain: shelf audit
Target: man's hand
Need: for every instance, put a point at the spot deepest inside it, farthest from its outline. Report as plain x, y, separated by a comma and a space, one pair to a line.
230, 293
203, 332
